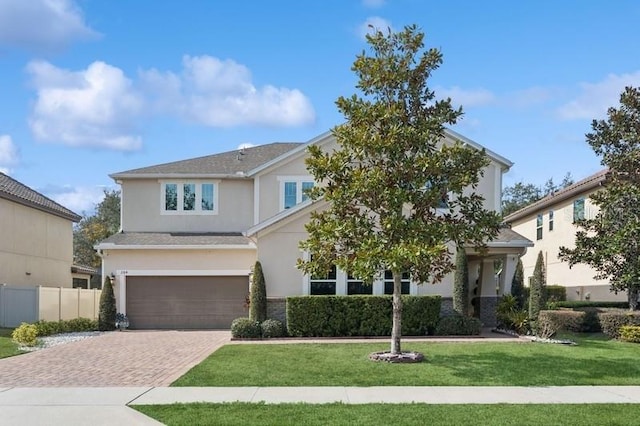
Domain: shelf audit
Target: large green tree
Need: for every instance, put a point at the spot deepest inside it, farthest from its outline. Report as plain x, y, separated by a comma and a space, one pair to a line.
610, 241
96, 227
386, 181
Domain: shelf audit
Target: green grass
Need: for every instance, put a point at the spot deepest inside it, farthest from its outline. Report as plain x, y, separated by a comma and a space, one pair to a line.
247, 414
593, 362
7, 346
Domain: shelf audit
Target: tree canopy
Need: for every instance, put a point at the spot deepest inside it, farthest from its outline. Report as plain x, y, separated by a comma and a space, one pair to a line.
610, 241
398, 198
521, 194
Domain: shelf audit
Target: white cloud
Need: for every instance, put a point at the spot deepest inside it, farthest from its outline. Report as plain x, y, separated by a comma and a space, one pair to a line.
374, 4
373, 24
95, 107
8, 153
42, 24
220, 93
528, 97
466, 97
80, 199
245, 145
595, 98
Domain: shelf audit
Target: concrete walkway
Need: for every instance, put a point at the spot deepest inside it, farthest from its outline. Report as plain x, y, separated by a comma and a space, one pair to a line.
108, 406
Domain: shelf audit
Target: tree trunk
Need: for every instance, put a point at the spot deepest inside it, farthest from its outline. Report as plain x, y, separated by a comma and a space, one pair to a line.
632, 293
396, 329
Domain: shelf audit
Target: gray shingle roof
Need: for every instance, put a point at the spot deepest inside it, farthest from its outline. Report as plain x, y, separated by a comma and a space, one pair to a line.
175, 239
83, 269
226, 163
509, 238
11, 189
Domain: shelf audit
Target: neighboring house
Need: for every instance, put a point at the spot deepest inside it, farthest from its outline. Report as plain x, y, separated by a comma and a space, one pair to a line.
81, 276
193, 229
550, 223
36, 237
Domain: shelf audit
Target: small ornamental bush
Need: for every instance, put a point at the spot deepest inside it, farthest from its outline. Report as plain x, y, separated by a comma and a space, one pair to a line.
258, 295
458, 325
612, 321
550, 322
537, 289
517, 285
630, 333
461, 284
272, 328
107, 314
245, 328
26, 334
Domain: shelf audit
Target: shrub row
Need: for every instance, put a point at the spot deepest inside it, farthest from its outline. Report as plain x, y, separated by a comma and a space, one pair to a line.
246, 328
27, 334
331, 316
587, 304
552, 293
458, 325
585, 320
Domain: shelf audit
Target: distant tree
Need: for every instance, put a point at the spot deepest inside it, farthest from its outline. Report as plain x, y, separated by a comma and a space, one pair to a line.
461, 284
385, 181
95, 228
258, 295
521, 194
517, 284
537, 290
107, 310
610, 242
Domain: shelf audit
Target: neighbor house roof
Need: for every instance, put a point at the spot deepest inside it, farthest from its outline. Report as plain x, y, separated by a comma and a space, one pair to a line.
83, 269
175, 240
578, 188
12, 190
226, 164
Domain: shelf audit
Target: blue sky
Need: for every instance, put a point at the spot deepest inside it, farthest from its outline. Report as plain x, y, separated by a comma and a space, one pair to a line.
92, 87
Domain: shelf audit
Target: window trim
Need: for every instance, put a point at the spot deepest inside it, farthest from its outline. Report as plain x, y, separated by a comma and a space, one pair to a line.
539, 226
299, 181
551, 215
180, 183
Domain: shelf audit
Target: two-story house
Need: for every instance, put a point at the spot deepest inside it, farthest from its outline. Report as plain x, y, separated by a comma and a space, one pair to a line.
550, 223
193, 229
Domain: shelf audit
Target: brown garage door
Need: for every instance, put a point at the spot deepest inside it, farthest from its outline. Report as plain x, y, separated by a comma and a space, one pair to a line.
185, 302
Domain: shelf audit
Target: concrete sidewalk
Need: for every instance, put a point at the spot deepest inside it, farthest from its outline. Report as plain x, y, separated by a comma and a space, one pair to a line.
109, 405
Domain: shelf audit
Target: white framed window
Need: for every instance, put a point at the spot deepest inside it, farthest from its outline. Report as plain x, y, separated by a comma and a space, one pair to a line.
292, 190
195, 197
539, 227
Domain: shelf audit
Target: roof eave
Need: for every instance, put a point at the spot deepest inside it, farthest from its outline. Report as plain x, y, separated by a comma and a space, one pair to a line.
113, 246
69, 216
503, 161
121, 176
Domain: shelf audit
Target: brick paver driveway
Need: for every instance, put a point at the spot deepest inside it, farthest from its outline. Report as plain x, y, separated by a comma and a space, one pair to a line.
129, 358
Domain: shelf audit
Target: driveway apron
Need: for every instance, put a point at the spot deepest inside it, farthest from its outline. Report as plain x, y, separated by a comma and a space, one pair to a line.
129, 358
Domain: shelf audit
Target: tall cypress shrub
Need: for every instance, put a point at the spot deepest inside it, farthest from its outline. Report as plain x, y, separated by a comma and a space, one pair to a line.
461, 284
536, 293
258, 295
107, 312
517, 285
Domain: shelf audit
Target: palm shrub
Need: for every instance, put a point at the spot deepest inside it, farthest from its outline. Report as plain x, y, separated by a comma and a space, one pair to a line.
536, 292
258, 295
461, 284
517, 285
107, 313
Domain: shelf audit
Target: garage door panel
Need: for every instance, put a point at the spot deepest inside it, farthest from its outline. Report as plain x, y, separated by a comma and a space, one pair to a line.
185, 302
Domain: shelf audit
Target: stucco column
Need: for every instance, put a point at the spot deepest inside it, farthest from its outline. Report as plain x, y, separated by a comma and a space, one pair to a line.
509, 264
121, 296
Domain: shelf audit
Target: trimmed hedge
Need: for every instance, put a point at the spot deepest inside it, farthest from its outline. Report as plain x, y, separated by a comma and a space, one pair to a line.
272, 328
245, 328
555, 293
550, 322
587, 304
331, 316
458, 325
611, 321
27, 334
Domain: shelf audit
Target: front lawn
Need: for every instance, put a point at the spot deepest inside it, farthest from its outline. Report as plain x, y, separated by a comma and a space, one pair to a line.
246, 414
593, 362
7, 346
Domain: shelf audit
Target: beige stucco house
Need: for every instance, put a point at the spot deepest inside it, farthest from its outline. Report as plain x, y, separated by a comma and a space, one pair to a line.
549, 222
193, 229
36, 238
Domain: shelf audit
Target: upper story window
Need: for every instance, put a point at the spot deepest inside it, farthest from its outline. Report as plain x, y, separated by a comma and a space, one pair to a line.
293, 190
539, 227
578, 209
189, 197
550, 220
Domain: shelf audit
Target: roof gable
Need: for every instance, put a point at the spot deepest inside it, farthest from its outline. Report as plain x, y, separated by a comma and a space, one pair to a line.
12, 190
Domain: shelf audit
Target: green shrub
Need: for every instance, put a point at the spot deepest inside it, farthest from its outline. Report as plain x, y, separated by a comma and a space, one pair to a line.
107, 314
611, 321
510, 316
258, 295
550, 322
81, 324
536, 290
26, 334
458, 325
330, 316
272, 328
244, 328
587, 304
517, 285
555, 293
461, 284
630, 333
47, 328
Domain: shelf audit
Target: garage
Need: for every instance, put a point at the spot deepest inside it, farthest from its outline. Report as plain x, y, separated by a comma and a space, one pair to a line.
191, 302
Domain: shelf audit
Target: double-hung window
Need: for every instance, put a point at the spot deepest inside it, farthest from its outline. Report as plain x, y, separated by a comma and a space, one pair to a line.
189, 197
388, 282
539, 227
293, 190
324, 284
357, 286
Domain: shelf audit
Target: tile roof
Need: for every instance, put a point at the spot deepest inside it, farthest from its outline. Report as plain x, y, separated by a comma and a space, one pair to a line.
578, 188
174, 239
226, 163
11, 189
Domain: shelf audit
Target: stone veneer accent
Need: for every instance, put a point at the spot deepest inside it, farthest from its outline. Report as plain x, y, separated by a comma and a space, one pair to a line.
446, 307
488, 305
277, 309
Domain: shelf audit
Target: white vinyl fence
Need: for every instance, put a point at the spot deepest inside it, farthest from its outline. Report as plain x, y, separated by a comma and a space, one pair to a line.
31, 304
